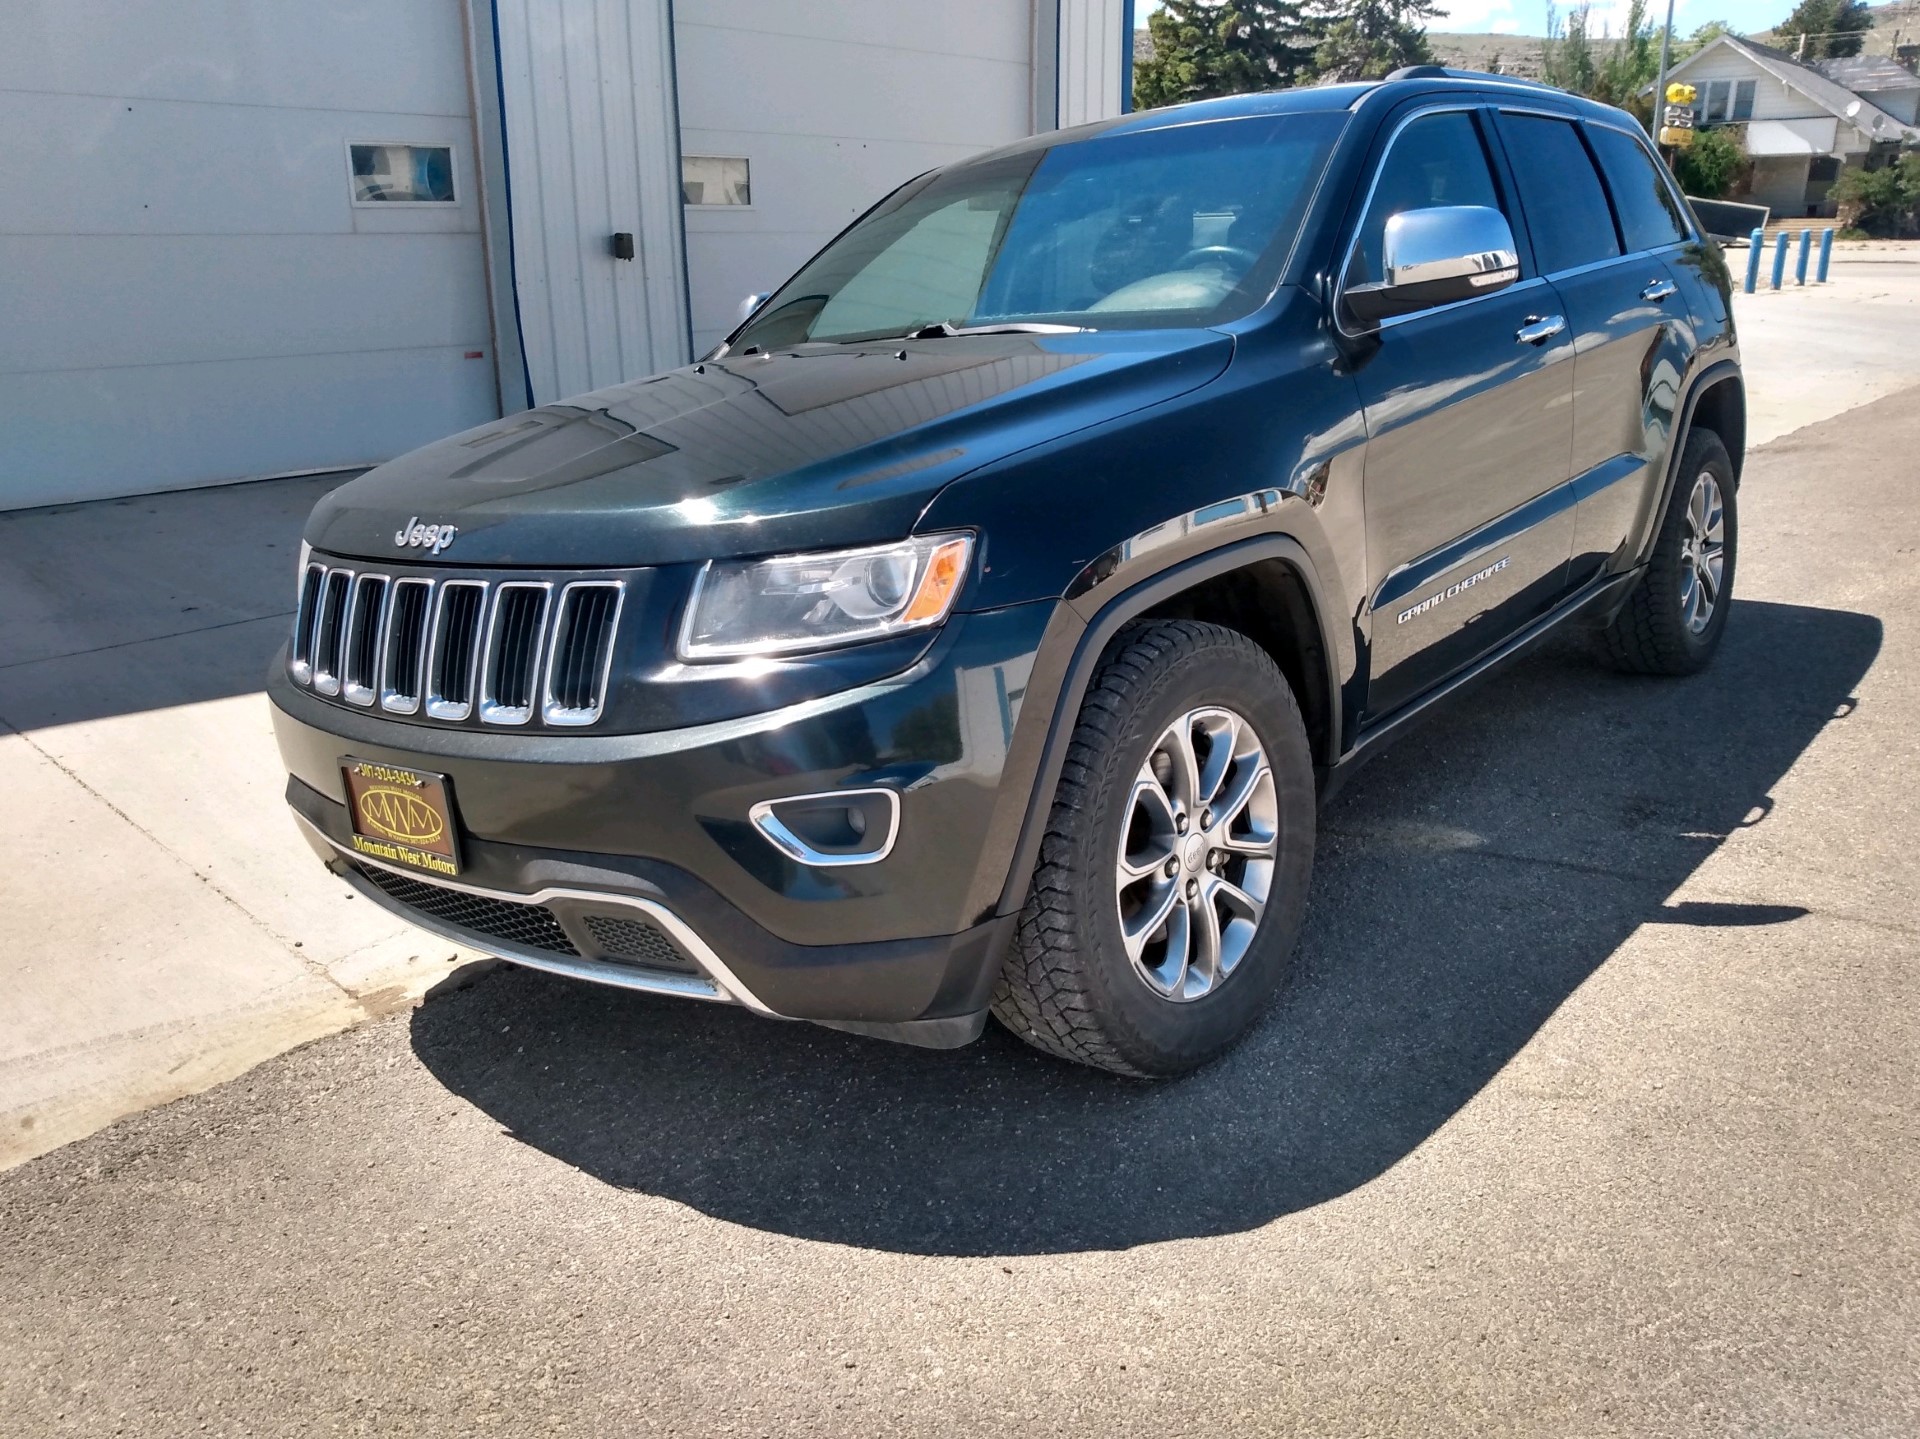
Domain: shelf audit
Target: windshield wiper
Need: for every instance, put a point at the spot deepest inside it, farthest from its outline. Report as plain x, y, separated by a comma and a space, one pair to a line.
943, 330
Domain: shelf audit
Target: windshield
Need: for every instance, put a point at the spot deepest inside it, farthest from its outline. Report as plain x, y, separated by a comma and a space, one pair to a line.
1187, 225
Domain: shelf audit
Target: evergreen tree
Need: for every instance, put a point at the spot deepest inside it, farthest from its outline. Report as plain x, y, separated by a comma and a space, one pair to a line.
1365, 39
1203, 48
1829, 28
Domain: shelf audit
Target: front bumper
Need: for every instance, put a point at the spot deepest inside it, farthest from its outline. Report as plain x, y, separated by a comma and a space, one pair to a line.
586, 828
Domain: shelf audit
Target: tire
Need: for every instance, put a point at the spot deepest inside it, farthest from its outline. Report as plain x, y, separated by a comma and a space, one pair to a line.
1075, 983
1660, 629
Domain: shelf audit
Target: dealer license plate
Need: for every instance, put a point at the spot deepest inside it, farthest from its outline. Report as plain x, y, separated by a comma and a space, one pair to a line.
401, 816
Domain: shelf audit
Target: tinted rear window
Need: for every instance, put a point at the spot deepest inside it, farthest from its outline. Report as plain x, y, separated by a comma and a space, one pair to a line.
1649, 218
1560, 193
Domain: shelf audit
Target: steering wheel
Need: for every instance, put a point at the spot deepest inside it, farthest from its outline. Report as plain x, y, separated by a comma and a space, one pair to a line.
1219, 252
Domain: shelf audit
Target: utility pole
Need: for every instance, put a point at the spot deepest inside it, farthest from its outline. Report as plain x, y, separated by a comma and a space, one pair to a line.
1660, 85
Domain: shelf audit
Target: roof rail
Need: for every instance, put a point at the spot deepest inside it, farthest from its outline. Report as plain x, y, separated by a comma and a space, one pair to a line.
1445, 72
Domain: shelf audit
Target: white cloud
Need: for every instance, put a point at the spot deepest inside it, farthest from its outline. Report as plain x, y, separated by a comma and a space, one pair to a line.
1505, 27
1473, 16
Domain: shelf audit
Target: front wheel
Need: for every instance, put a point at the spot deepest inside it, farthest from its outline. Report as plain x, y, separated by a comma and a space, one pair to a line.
1673, 619
1173, 874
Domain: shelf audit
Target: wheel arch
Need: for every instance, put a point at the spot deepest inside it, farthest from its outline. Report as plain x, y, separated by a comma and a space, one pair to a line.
1716, 400
1722, 408
1234, 581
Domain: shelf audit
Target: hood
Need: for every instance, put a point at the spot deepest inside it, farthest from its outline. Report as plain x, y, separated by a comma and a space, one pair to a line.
800, 449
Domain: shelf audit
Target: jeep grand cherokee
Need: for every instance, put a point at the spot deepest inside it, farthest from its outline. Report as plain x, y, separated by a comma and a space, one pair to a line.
976, 628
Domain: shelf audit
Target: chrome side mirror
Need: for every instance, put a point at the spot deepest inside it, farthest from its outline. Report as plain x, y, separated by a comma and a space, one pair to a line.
1436, 256
752, 303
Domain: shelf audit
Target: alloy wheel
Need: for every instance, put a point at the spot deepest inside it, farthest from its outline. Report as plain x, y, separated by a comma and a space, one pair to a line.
1703, 554
1197, 852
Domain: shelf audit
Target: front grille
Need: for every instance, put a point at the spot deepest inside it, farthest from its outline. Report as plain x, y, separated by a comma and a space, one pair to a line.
458, 649
531, 926
637, 942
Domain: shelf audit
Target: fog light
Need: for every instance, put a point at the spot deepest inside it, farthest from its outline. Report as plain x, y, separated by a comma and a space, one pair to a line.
839, 827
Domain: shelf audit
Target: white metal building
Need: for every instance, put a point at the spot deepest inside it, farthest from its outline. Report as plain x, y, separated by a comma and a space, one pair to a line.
252, 237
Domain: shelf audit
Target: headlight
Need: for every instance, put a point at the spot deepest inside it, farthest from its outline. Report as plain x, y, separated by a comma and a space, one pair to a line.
811, 602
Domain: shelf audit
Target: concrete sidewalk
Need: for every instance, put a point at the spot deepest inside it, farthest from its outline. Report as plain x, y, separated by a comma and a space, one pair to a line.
163, 927
1815, 351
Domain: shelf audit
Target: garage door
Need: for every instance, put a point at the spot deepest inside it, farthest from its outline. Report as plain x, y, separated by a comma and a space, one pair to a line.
237, 238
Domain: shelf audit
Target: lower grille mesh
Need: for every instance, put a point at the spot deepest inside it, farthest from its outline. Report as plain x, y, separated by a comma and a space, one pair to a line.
530, 925
637, 941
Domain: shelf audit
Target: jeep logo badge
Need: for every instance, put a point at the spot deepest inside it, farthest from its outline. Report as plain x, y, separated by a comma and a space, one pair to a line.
431, 538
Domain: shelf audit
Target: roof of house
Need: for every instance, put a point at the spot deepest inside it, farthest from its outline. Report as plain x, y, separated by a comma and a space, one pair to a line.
1865, 73
1855, 109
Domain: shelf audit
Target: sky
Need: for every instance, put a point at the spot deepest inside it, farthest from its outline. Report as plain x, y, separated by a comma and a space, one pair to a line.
1529, 17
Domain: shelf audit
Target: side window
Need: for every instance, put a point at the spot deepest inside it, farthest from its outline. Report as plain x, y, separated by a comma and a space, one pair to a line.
1649, 218
1560, 193
1437, 160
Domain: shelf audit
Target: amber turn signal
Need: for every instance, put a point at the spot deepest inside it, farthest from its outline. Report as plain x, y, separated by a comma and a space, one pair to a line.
945, 572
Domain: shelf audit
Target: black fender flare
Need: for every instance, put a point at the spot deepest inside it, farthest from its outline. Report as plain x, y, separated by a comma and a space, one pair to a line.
1703, 380
1091, 643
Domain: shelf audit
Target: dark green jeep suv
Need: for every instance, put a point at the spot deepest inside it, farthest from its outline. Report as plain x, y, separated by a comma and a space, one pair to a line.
977, 628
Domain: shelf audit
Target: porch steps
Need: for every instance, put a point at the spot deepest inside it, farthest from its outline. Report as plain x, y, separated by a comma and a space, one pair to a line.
1793, 226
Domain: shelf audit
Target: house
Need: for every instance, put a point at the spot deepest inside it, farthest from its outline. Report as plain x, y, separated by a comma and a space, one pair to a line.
1801, 122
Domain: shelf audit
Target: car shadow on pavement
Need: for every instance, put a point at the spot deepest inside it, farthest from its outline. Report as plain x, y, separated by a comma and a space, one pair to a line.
1469, 881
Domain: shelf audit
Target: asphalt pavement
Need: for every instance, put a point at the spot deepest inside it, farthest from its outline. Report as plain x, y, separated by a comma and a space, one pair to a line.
1592, 1109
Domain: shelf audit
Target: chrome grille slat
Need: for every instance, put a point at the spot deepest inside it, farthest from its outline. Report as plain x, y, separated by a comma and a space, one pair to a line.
580, 655
453, 653
466, 649
329, 623
403, 664
511, 672
300, 656
360, 651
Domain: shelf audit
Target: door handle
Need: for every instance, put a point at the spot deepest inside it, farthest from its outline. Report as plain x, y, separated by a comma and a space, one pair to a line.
1540, 328
1658, 290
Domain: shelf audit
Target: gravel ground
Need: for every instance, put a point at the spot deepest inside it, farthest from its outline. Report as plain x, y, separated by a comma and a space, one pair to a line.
1592, 1109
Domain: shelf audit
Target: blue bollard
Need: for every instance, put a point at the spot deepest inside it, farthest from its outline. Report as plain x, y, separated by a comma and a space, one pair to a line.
1780, 260
1800, 260
1826, 254
1756, 243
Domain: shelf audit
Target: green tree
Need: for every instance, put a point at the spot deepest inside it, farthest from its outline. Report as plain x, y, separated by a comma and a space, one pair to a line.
1828, 28
1365, 39
1712, 165
1702, 37
1632, 64
1613, 71
1881, 202
1203, 48
1566, 55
